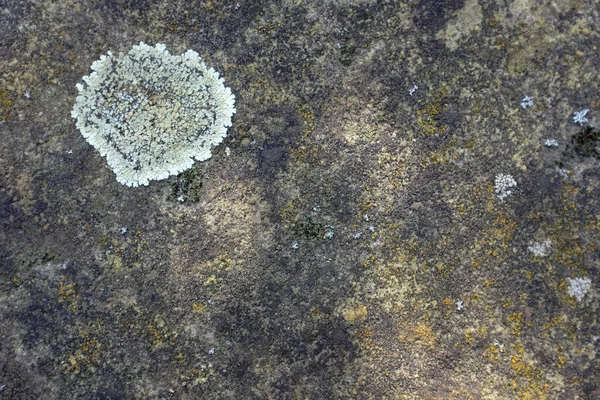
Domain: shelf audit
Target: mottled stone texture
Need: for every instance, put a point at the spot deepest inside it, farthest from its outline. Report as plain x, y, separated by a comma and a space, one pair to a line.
322, 252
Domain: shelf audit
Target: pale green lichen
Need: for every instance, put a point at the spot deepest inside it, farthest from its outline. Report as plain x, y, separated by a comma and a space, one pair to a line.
152, 113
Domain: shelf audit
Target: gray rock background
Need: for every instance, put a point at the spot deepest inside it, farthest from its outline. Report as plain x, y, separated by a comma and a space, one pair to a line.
350, 245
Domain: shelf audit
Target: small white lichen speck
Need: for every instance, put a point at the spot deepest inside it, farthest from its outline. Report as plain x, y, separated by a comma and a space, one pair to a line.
502, 184
150, 113
578, 287
579, 116
499, 345
540, 249
527, 102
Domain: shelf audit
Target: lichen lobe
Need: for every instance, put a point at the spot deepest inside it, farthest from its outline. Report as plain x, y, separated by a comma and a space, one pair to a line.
151, 114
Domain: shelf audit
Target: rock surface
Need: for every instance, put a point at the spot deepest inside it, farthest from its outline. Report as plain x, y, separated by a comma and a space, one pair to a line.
349, 243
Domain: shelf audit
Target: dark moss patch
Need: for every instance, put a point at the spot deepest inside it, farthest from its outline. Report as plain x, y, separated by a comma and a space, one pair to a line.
347, 53
188, 185
309, 229
586, 142
432, 15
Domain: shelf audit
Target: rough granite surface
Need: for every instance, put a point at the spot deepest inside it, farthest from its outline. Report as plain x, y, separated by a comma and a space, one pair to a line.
357, 235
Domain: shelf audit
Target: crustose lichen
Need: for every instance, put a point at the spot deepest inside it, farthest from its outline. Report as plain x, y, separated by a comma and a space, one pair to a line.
151, 114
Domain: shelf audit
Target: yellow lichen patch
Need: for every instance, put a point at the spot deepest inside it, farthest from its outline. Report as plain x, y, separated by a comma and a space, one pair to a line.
6, 105
355, 313
197, 376
115, 260
569, 195
365, 342
461, 394
489, 282
159, 334
67, 294
528, 383
393, 169
559, 322
86, 356
492, 353
198, 307
211, 280
570, 252
469, 339
427, 115
446, 152
261, 89
449, 303
561, 357
309, 120
491, 248
443, 270
290, 211
210, 274
516, 321
592, 223
420, 335
554, 322
304, 150
316, 312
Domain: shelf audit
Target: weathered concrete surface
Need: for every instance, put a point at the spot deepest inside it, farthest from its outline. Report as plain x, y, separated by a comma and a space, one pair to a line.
241, 292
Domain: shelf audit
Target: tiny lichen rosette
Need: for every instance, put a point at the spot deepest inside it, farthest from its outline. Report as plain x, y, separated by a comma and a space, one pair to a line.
151, 114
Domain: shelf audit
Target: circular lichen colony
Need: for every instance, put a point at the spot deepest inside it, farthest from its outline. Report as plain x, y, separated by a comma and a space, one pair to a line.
152, 113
